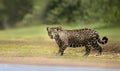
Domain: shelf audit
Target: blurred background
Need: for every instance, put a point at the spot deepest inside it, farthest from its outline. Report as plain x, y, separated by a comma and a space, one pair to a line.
17, 13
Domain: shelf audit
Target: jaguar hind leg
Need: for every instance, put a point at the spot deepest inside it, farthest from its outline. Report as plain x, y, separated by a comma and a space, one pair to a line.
88, 49
99, 48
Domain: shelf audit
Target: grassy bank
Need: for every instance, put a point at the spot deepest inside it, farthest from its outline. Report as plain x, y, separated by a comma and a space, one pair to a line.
34, 42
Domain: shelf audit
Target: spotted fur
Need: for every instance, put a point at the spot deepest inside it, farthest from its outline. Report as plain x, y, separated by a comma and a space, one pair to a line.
76, 38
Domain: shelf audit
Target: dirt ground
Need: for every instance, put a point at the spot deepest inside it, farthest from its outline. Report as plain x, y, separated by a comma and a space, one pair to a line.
53, 62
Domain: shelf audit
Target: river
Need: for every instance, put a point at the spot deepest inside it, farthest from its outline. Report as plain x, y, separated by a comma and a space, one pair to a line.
18, 67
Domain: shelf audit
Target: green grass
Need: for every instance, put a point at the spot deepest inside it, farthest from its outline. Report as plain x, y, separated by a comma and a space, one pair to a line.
40, 31
50, 52
34, 42
24, 51
22, 33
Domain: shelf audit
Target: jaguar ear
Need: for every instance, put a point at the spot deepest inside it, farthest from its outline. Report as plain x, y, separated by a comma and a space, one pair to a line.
59, 28
47, 28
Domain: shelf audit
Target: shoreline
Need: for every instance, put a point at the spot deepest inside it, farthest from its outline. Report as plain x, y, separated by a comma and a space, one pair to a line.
54, 62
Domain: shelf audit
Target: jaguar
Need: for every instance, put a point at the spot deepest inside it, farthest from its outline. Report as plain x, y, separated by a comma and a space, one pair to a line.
88, 38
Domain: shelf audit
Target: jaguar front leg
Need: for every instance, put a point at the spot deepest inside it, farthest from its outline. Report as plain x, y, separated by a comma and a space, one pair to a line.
62, 50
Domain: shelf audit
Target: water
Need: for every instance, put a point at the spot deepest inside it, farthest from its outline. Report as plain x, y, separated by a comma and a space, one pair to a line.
17, 67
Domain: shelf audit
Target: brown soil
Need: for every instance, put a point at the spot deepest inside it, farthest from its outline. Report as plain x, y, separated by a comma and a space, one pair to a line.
54, 62
25, 42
